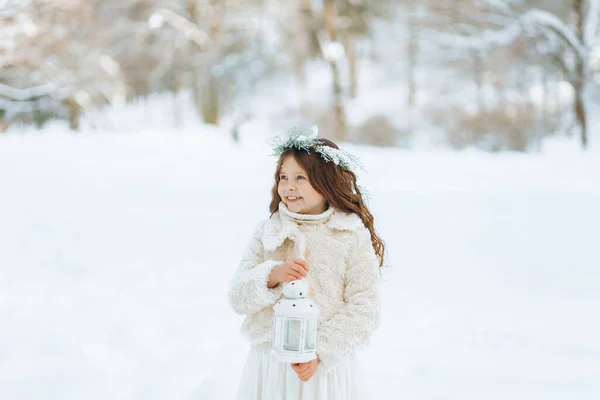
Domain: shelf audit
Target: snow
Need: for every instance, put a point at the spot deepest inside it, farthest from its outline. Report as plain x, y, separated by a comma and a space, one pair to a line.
591, 24
116, 249
484, 41
550, 21
530, 21
25, 94
189, 29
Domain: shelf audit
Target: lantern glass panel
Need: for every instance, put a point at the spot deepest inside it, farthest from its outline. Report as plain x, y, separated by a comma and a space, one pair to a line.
292, 335
309, 335
277, 334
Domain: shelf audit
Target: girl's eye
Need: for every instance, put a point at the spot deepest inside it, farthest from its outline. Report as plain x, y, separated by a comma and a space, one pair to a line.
283, 177
300, 177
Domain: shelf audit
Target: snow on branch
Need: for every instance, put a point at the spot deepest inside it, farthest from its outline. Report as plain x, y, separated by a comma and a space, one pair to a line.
591, 24
182, 24
538, 18
113, 69
26, 94
529, 22
499, 5
485, 40
16, 107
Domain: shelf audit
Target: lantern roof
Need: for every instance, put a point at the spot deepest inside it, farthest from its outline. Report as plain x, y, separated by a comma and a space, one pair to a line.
296, 308
295, 304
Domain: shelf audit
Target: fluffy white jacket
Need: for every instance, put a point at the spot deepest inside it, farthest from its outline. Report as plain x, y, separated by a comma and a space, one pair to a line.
343, 277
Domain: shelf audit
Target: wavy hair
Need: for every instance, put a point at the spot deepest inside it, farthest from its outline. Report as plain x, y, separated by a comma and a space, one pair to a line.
336, 184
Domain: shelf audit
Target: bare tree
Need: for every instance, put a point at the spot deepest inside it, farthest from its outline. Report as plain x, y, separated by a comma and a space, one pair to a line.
579, 40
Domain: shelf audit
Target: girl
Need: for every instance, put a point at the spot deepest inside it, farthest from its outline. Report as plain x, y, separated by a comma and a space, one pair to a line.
320, 230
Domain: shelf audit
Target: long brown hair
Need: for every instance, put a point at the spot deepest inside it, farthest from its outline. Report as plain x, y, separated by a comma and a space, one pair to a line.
336, 184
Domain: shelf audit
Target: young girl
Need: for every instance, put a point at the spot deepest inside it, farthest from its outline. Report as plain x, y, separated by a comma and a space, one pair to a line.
320, 230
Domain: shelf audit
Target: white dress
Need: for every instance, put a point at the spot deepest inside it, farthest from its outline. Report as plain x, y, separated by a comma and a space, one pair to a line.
266, 378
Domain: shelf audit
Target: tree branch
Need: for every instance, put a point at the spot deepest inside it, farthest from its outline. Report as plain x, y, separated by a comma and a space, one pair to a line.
188, 28
530, 21
591, 24
554, 24
15, 94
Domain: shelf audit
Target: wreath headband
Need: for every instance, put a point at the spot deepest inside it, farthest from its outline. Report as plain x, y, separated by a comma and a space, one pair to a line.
296, 140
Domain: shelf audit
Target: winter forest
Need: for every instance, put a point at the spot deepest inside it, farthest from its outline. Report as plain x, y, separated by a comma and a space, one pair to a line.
135, 165
494, 74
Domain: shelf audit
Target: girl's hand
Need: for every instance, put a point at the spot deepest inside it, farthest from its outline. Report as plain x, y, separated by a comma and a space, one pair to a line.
306, 370
291, 270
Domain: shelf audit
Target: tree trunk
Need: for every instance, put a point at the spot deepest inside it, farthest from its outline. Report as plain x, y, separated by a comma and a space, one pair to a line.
478, 74
330, 22
307, 18
581, 111
545, 98
412, 53
210, 103
338, 106
197, 94
73, 111
352, 64
175, 87
582, 75
206, 94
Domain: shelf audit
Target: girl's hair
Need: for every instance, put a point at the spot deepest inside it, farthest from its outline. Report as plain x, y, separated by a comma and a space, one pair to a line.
336, 184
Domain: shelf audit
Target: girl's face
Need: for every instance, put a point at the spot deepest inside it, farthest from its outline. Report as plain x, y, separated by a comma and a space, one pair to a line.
295, 190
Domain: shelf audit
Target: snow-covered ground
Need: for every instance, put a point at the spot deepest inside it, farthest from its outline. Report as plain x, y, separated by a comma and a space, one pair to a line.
116, 250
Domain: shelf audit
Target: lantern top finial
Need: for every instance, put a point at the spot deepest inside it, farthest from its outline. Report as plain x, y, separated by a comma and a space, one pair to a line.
296, 289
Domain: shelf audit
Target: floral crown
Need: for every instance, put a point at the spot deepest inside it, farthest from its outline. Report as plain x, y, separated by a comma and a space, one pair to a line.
296, 140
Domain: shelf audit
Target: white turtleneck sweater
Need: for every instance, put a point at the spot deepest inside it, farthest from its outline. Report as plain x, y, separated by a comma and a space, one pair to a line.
343, 278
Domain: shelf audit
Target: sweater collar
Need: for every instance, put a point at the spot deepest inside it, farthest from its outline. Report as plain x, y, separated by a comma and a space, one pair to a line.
283, 224
305, 218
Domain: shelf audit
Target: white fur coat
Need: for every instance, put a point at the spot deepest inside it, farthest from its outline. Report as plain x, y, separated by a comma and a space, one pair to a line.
343, 277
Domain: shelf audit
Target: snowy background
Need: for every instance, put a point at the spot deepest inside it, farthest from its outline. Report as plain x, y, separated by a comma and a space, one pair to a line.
117, 248
134, 167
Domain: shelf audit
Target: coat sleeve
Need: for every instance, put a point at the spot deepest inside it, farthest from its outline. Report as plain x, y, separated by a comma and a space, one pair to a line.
248, 289
354, 322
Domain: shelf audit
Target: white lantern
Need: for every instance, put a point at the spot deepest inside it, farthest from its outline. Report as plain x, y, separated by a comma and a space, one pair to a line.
295, 325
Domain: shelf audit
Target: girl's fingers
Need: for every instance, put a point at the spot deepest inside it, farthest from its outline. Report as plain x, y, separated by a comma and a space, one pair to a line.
301, 270
297, 274
305, 377
303, 370
301, 262
303, 367
293, 276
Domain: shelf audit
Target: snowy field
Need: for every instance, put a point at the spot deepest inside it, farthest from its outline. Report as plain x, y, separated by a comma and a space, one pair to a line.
116, 251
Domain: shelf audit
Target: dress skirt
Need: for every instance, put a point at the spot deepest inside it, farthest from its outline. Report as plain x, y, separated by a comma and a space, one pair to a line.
265, 378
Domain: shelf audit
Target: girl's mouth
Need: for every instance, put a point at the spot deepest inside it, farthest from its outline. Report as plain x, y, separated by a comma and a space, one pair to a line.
293, 199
